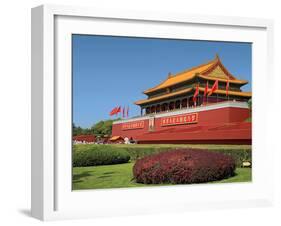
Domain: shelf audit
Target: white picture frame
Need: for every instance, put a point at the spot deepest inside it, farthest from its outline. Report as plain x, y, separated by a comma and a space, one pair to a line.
52, 197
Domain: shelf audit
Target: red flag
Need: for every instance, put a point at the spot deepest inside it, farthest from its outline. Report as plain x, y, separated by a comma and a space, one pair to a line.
127, 111
214, 87
206, 89
196, 93
113, 111
118, 110
227, 87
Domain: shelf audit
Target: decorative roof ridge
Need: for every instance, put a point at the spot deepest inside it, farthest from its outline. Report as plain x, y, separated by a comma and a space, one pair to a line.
195, 67
147, 91
170, 75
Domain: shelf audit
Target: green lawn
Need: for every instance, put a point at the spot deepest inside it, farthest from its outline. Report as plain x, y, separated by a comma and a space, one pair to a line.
120, 176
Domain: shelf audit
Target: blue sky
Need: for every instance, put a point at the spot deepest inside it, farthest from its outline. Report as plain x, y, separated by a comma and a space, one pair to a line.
112, 71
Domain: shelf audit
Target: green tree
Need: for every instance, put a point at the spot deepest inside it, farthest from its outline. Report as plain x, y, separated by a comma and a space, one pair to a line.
79, 130
103, 128
250, 104
250, 108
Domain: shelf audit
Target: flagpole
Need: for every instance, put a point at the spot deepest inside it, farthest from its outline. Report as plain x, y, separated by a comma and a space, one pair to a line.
217, 93
207, 97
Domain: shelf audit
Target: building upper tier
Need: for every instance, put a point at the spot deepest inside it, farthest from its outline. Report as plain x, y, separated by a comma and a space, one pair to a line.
185, 82
212, 70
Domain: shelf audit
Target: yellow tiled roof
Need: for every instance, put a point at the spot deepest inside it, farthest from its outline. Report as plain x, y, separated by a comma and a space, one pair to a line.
191, 73
180, 77
164, 96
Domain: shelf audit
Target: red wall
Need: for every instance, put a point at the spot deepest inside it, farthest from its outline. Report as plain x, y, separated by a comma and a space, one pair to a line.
221, 115
117, 130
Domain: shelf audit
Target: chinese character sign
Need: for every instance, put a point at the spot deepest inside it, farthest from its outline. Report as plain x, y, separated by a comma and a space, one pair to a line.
133, 125
180, 119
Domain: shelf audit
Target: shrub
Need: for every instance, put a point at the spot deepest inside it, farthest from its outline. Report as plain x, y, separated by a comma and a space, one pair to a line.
99, 156
183, 167
239, 153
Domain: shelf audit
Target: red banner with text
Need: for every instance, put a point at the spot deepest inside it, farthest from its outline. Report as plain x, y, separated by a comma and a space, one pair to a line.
133, 125
180, 119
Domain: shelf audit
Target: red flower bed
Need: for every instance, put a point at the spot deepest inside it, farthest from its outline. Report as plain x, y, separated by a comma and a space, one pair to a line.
183, 167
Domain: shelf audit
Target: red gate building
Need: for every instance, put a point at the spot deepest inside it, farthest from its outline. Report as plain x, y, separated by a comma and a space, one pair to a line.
171, 113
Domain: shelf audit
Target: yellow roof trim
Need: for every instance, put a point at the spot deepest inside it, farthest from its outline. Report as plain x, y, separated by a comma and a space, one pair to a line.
236, 81
164, 96
232, 93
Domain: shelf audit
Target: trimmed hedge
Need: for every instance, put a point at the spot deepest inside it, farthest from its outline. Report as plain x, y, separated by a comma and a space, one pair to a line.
139, 151
100, 156
184, 166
